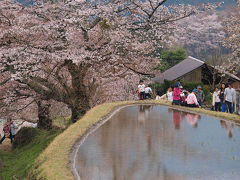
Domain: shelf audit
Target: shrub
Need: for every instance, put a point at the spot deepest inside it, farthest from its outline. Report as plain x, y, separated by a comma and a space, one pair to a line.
191, 86
208, 94
161, 89
25, 136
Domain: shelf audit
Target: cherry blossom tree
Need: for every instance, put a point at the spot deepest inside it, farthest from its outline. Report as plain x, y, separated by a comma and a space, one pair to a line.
232, 41
73, 51
20, 102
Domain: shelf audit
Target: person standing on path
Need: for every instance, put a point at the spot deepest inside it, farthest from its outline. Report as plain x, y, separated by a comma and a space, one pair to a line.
6, 130
217, 101
229, 96
141, 90
222, 90
200, 95
176, 94
13, 127
170, 94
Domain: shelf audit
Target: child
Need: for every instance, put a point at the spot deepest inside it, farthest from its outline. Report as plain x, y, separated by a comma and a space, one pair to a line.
141, 90
169, 95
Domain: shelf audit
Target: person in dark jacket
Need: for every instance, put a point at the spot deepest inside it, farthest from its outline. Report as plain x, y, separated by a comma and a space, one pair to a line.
222, 90
200, 95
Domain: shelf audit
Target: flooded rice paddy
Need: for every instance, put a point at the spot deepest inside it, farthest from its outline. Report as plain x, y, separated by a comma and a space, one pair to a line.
159, 143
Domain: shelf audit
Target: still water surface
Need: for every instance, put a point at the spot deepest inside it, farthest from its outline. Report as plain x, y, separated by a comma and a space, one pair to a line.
158, 143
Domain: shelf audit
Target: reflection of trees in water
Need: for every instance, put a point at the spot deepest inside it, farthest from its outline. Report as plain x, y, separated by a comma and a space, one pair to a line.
130, 149
133, 149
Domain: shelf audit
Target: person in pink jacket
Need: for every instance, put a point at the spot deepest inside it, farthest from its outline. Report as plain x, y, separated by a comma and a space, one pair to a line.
176, 94
192, 99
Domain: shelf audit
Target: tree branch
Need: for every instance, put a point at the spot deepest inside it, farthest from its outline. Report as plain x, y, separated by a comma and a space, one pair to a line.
138, 72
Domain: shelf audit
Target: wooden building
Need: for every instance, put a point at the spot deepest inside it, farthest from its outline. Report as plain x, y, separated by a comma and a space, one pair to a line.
192, 70
236, 84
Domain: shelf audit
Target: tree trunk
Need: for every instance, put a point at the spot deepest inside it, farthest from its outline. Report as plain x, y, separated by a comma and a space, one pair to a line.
78, 112
44, 122
75, 114
214, 80
80, 97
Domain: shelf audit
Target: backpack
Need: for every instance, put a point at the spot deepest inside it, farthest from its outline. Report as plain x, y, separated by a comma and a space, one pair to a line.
7, 128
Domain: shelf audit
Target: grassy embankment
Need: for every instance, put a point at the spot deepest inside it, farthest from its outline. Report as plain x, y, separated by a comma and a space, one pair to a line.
52, 163
17, 162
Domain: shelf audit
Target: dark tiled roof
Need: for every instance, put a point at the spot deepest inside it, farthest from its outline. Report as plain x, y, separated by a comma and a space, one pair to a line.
180, 69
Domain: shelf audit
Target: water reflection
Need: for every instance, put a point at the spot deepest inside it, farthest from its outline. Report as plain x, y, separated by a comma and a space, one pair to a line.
143, 112
179, 117
228, 126
154, 142
192, 119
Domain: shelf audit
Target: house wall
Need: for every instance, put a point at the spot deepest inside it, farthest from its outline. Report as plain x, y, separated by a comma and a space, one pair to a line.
194, 76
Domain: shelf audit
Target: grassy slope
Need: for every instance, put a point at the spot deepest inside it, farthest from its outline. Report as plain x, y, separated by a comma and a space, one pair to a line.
18, 161
53, 162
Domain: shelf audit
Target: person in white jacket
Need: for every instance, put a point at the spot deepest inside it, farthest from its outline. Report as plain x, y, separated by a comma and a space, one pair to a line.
217, 100
169, 95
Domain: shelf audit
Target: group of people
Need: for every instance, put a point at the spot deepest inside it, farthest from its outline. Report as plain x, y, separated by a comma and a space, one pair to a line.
9, 130
144, 92
224, 99
179, 96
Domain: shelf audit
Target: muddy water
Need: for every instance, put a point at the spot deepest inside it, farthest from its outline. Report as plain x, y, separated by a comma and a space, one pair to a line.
157, 143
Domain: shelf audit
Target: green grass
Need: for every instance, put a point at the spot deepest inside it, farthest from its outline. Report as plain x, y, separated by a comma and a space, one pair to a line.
17, 162
62, 122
